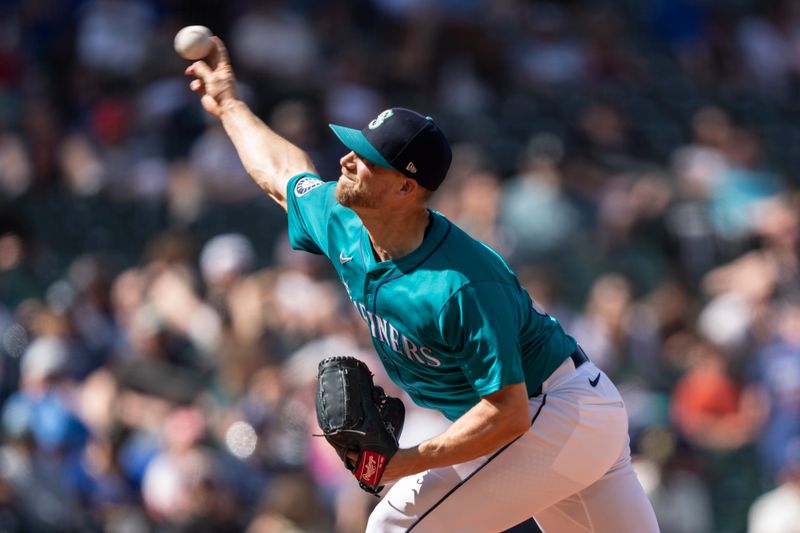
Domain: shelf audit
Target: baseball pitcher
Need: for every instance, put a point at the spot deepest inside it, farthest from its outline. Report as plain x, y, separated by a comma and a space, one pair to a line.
538, 431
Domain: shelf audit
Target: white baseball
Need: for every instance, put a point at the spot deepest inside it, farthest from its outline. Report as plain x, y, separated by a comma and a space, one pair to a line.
193, 42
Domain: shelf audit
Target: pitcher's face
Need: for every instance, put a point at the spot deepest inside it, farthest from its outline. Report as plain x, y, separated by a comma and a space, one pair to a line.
363, 184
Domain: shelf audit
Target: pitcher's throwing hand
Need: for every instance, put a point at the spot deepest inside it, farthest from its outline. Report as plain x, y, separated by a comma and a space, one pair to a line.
214, 81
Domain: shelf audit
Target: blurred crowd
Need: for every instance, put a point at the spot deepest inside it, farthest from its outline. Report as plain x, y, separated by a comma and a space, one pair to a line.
635, 161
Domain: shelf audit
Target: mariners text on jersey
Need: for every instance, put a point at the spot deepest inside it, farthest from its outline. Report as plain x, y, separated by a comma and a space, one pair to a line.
383, 331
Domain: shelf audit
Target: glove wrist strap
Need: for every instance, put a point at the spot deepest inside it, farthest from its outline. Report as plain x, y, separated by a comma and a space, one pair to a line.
370, 468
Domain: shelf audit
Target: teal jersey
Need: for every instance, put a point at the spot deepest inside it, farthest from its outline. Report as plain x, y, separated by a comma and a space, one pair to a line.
450, 321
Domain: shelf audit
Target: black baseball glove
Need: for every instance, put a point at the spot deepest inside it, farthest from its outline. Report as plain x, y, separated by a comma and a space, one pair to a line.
356, 416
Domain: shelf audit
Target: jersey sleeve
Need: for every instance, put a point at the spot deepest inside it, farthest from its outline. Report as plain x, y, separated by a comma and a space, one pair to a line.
481, 325
309, 204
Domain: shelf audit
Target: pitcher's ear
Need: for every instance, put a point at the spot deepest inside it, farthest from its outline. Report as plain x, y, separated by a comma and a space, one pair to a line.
409, 186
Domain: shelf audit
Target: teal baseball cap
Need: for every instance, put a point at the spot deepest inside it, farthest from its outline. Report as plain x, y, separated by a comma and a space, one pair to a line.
402, 140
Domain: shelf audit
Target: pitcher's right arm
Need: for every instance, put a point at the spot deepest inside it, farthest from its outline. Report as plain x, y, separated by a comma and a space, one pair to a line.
267, 157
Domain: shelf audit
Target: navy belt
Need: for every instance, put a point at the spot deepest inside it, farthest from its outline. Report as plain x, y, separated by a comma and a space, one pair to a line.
578, 358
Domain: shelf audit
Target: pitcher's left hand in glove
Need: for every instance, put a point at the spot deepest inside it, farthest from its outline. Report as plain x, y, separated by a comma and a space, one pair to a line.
356, 416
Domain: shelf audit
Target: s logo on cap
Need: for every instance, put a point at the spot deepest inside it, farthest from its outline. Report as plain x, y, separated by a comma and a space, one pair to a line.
378, 121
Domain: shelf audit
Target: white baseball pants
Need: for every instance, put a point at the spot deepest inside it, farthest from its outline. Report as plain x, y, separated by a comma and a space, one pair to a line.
571, 472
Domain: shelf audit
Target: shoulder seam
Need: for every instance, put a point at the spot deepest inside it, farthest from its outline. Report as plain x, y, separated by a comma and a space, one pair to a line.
464, 286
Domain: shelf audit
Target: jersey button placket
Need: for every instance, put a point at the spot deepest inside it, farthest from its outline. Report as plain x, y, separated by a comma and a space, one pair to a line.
369, 287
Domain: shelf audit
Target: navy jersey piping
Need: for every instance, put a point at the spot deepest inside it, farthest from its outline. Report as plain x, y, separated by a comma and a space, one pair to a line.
400, 275
463, 481
404, 271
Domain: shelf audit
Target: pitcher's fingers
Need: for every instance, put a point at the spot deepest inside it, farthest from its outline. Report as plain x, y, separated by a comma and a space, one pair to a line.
219, 54
197, 86
199, 69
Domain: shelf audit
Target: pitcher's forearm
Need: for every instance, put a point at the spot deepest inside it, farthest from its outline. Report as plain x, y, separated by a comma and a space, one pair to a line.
267, 157
492, 423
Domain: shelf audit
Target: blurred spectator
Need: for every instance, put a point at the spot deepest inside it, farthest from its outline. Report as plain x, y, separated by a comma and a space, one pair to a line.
16, 173
608, 56
537, 214
214, 161
768, 45
699, 169
777, 380
41, 123
738, 295
745, 183
113, 35
605, 137
181, 485
18, 278
461, 90
778, 511
709, 407
83, 170
550, 54
630, 229
352, 97
274, 41
224, 259
603, 326
290, 505
186, 195
668, 472
778, 230
178, 306
46, 438
700, 166
478, 209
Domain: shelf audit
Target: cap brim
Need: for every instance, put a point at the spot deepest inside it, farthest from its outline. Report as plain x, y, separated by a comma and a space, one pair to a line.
356, 141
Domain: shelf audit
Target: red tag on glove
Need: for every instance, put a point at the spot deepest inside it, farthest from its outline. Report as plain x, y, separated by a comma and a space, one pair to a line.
370, 468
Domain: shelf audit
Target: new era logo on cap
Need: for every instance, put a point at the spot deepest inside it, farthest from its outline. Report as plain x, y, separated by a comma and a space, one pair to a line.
403, 140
